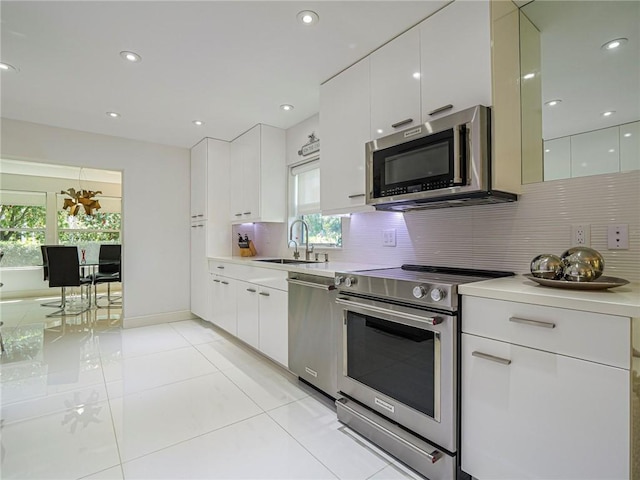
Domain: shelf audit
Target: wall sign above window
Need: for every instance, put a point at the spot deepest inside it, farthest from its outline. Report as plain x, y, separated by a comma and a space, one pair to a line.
312, 146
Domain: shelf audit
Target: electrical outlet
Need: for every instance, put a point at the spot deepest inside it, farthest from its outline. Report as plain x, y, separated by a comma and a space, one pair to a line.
581, 234
389, 237
618, 237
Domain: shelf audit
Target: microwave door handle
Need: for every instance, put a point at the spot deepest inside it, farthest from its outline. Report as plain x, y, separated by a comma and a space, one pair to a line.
457, 178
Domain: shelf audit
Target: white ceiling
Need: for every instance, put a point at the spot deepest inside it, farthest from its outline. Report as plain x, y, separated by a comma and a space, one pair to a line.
230, 64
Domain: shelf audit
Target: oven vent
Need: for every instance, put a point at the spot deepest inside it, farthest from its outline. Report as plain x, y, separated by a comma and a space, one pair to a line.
460, 200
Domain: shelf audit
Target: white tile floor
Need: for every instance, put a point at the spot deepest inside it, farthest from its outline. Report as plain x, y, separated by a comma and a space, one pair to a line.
85, 399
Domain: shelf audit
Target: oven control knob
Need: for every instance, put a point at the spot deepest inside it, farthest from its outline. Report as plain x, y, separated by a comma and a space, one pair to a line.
338, 280
350, 281
437, 294
419, 291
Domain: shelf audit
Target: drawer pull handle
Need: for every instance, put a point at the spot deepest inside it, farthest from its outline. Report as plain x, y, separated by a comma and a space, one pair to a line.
223, 282
220, 267
535, 323
357, 195
492, 358
251, 290
238, 214
217, 281
264, 294
441, 109
403, 122
246, 213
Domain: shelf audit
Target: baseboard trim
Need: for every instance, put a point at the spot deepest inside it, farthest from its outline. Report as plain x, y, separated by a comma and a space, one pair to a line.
156, 319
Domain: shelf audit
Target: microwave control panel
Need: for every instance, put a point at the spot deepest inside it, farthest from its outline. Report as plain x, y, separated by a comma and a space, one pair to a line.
420, 187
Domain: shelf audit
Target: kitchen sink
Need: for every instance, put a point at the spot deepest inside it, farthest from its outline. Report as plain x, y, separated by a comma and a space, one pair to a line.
285, 261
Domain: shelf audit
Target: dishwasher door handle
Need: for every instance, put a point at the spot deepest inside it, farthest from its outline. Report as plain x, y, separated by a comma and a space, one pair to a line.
311, 284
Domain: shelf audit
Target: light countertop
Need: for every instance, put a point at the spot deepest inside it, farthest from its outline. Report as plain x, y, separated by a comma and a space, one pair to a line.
323, 269
623, 301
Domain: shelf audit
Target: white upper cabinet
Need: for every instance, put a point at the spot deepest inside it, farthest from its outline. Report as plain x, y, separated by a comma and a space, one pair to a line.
258, 176
345, 119
395, 85
455, 49
199, 181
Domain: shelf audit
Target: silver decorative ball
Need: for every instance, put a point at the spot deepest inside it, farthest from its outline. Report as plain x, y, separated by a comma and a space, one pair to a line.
584, 255
579, 272
547, 266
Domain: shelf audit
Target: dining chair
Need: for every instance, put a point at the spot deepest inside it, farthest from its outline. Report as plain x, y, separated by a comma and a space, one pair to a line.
45, 274
109, 271
64, 272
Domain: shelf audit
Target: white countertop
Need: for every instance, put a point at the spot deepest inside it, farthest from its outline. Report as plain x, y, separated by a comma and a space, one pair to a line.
623, 301
323, 269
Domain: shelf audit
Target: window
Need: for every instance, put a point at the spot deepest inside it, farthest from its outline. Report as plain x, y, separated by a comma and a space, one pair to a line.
22, 227
324, 231
89, 231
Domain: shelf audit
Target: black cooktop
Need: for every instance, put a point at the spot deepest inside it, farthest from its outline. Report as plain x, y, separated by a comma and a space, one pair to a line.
435, 274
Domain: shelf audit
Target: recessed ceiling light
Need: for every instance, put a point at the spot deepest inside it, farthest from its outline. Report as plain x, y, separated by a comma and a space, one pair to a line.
529, 76
416, 75
5, 67
307, 17
553, 103
627, 134
608, 113
612, 150
286, 107
379, 130
614, 44
547, 150
113, 114
199, 123
131, 56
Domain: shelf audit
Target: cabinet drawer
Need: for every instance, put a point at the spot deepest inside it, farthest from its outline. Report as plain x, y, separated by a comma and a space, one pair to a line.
269, 277
590, 336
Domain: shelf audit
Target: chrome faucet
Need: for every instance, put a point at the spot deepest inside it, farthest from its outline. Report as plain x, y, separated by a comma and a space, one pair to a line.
305, 231
296, 253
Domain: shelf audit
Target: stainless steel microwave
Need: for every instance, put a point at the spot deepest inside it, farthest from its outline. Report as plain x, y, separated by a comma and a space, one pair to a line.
441, 163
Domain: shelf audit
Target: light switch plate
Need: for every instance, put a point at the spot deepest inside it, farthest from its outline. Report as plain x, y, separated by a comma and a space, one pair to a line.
618, 237
389, 237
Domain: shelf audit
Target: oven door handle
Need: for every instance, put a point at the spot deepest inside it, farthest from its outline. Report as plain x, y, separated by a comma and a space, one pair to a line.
407, 316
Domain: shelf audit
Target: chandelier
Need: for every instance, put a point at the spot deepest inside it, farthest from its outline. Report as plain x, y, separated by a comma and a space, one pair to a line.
78, 198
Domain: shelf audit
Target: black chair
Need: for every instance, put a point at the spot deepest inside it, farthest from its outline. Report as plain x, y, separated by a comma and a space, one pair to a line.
45, 271
109, 271
64, 271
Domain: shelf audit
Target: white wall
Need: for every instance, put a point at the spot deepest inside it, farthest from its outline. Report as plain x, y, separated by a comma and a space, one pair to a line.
155, 209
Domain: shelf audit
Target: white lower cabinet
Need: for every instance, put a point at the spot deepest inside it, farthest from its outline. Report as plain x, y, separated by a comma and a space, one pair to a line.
223, 303
531, 413
248, 314
246, 304
274, 327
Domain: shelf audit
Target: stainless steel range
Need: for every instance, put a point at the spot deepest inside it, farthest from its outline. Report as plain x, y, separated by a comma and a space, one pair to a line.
398, 365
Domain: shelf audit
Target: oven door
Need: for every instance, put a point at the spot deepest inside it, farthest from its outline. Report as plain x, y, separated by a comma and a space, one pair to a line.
400, 362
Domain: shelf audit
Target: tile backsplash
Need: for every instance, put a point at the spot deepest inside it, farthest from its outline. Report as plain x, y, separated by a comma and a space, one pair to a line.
506, 236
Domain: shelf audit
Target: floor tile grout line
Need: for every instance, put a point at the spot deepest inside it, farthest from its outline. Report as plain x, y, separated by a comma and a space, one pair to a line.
193, 438
144, 390
301, 444
113, 422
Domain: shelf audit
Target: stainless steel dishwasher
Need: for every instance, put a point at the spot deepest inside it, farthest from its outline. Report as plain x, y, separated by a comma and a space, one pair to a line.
313, 331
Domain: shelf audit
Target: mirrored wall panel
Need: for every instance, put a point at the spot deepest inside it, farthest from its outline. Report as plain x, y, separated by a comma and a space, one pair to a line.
586, 79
